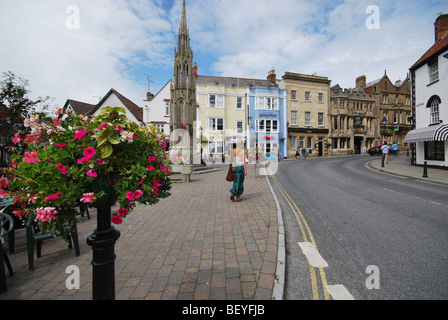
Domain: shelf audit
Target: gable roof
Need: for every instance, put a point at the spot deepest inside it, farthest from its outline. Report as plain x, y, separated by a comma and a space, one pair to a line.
437, 48
79, 107
135, 109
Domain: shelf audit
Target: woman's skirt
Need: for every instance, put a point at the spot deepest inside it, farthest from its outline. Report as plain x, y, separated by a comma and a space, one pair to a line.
238, 180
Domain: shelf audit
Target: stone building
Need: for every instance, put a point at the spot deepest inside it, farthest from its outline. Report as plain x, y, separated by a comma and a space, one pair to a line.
308, 98
353, 116
394, 108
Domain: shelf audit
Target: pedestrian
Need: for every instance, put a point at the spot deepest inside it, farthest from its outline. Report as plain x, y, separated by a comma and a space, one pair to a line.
239, 170
394, 149
303, 154
384, 153
298, 153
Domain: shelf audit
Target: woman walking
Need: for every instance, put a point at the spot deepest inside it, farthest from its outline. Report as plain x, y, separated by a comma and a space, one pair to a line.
238, 161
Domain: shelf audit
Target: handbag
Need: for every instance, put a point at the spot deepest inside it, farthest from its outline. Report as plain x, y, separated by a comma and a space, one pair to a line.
229, 174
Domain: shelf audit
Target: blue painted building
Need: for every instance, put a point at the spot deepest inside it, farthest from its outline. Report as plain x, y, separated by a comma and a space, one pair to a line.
267, 118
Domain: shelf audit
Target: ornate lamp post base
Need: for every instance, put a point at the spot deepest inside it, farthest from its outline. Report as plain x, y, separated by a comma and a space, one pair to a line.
102, 242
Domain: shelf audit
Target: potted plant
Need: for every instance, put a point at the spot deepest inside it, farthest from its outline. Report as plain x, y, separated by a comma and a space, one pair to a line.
70, 159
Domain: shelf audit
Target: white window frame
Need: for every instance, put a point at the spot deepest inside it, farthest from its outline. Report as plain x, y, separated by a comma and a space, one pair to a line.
321, 97
307, 118
433, 70
294, 95
218, 101
320, 119
307, 96
434, 111
267, 125
239, 103
212, 124
293, 117
239, 129
266, 103
167, 108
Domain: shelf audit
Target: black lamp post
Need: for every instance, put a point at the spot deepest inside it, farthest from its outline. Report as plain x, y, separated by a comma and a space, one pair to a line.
384, 122
102, 242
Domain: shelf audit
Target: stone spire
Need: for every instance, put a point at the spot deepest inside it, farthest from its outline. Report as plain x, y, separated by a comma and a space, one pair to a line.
183, 89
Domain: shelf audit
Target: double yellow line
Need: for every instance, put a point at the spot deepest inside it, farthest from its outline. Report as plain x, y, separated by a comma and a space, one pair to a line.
306, 233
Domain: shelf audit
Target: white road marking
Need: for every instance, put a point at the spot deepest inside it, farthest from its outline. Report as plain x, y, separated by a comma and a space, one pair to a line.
339, 292
313, 256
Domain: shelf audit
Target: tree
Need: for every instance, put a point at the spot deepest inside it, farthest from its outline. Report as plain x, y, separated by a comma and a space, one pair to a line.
14, 107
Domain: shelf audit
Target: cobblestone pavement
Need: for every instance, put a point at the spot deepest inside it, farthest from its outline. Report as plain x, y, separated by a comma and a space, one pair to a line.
197, 244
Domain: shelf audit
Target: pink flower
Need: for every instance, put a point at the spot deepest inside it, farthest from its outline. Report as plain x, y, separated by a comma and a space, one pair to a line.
53, 197
83, 160
16, 138
31, 157
150, 168
155, 190
165, 169
32, 198
61, 145
157, 183
92, 173
119, 129
89, 152
117, 220
130, 196
151, 159
123, 211
88, 197
162, 144
101, 127
57, 122
100, 161
45, 214
62, 168
138, 193
31, 138
80, 134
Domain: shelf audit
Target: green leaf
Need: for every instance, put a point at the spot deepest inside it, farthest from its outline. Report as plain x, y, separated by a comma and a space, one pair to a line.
106, 110
114, 139
106, 151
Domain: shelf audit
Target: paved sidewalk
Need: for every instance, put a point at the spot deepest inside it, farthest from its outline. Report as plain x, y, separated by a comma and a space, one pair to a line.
196, 244
401, 165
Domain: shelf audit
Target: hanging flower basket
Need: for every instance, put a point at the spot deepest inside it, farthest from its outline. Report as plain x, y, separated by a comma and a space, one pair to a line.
101, 160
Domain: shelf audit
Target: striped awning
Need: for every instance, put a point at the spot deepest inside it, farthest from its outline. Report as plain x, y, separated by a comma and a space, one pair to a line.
441, 134
430, 133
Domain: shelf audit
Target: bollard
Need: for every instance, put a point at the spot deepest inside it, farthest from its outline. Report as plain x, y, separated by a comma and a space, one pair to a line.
425, 170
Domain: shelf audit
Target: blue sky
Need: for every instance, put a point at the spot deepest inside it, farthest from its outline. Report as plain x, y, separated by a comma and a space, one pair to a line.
119, 42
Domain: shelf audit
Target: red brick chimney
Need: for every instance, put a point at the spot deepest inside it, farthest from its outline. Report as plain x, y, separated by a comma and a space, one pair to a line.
272, 76
441, 25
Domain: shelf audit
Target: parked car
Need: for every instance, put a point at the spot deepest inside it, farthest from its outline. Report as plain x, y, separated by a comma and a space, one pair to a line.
375, 150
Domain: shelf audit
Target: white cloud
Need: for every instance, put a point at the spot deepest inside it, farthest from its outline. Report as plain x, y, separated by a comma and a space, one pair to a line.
114, 37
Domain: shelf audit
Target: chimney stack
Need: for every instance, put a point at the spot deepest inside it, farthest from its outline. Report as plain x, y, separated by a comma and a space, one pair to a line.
361, 81
272, 76
440, 26
149, 96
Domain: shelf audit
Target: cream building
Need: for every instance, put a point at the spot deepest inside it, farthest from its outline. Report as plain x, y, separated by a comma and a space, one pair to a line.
308, 98
222, 114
